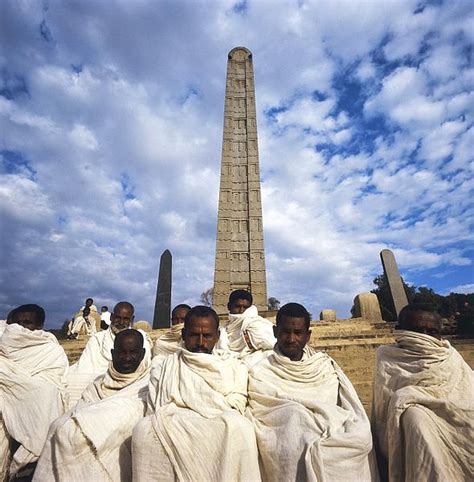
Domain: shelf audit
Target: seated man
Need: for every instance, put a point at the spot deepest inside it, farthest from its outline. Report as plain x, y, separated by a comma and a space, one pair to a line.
198, 395
423, 407
33, 369
95, 437
246, 331
82, 324
96, 357
309, 421
169, 342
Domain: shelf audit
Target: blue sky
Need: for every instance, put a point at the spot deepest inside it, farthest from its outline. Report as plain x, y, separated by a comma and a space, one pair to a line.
111, 118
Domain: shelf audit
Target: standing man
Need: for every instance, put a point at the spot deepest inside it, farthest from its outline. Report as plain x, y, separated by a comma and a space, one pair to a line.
309, 421
105, 317
198, 396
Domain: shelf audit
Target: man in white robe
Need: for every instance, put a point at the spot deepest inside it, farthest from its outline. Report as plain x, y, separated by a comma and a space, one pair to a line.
93, 441
82, 324
423, 407
309, 421
247, 333
171, 341
96, 357
33, 369
198, 395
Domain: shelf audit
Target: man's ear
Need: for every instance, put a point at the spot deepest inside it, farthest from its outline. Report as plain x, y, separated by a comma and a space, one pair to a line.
275, 329
218, 332
142, 355
132, 319
183, 331
308, 336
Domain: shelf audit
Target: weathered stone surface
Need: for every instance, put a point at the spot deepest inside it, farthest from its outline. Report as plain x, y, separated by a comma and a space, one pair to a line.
395, 284
240, 254
327, 315
366, 305
162, 314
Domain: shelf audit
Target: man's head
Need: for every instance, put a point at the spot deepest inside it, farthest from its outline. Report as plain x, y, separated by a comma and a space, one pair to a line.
128, 351
122, 317
89, 302
421, 318
239, 301
292, 330
29, 316
179, 314
104, 309
201, 329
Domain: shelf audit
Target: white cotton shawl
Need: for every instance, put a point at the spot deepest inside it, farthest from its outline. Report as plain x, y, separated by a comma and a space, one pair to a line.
33, 368
309, 421
198, 419
259, 331
93, 441
169, 342
422, 372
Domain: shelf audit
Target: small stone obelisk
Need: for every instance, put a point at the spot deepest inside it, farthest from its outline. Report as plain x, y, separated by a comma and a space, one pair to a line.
162, 314
394, 280
240, 254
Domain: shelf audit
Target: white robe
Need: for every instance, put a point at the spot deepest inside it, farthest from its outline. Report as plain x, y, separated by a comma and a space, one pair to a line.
33, 369
258, 330
93, 441
169, 342
197, 432
423, 410
95, 360
309, 421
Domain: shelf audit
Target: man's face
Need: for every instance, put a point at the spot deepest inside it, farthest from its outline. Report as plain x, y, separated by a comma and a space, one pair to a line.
89, 302
425, 322
128, 354
121, 319
238, 306
200, 335
179, 316
292, 336
27, 320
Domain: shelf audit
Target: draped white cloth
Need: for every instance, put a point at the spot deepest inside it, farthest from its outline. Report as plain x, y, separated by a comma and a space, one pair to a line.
169, 342
93, 441
309, 421
424, 409
81, 324
33, 369
3, 325
250, 325
95, 360
198, 427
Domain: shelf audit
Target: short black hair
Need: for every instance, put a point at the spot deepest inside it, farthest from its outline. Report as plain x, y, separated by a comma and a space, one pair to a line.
30, 308
408, 310
179, 307
129, 332
125, 304
87, 299
294, 310
201, 311
106, 308
240, 295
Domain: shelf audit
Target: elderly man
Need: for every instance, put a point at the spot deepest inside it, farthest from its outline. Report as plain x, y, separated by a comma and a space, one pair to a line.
423, 406
33, 368
309, 421
97, 355
247, 333
93, 442
169, 342
198, 395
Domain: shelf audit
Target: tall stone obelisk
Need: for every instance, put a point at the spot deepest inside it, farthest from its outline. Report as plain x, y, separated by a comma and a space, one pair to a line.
240, 254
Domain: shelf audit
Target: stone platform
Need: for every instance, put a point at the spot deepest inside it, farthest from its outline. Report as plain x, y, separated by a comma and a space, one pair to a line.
351, 342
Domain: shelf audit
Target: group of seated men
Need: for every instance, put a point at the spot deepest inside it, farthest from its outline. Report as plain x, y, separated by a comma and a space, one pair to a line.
246, 401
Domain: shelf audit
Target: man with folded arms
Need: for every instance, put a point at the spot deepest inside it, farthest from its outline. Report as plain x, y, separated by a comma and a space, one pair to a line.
33, 368
309, 421
95, 438
170, 341
198, 395
423, 406
247, 333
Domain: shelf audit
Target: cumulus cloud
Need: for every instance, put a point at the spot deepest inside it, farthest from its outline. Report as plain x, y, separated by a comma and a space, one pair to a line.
111, 121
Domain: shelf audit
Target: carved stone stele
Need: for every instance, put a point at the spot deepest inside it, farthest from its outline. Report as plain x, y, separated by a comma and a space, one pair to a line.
240, 253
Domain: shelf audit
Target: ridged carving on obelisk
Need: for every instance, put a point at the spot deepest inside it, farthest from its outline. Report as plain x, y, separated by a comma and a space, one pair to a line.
240, 255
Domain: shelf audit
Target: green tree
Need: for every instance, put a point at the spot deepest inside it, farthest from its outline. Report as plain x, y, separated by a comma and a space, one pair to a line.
382, 291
